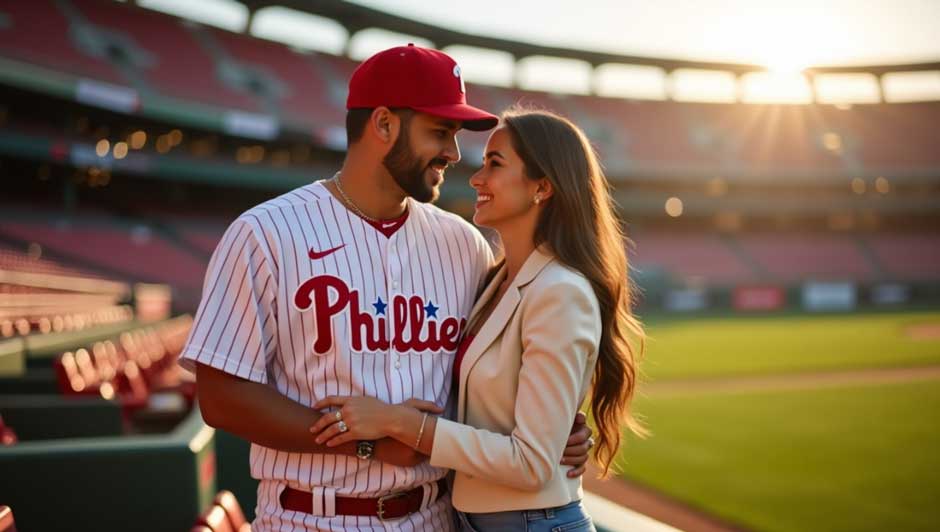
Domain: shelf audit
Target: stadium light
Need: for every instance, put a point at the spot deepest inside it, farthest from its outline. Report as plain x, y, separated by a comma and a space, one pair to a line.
102, 147
674, 207
832, 141
120, 150
138, 139
716, 186
858, 185
882, 185
163, 144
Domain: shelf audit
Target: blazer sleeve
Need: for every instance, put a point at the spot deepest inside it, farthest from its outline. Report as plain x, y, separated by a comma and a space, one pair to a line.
560, 336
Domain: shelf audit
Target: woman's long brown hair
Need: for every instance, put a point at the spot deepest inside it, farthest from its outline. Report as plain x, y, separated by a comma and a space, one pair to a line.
581, 227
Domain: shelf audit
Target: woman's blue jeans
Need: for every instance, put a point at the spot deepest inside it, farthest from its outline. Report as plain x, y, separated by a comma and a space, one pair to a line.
568, 518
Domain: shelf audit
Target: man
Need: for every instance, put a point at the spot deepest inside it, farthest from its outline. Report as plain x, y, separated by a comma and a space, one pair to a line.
354, 286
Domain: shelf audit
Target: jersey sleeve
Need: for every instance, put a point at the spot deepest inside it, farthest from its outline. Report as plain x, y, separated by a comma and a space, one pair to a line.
235, 325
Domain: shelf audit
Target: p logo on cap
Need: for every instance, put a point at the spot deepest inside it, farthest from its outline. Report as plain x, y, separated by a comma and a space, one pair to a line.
417, 78
463, 88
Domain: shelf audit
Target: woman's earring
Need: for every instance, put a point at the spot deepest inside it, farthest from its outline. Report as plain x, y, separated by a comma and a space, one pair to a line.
538, 199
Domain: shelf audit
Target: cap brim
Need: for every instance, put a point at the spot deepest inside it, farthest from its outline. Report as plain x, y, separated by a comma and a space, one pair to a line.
472, 118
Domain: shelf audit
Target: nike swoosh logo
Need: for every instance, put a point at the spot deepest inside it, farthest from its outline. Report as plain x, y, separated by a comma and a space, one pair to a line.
386, 226
314, 254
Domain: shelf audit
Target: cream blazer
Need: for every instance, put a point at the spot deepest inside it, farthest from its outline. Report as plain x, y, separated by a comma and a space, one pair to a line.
522, 381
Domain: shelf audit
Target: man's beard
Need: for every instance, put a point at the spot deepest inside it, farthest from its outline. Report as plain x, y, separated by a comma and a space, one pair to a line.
408, 171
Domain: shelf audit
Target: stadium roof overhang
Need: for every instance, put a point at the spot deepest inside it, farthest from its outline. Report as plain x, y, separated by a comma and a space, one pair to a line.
356, 17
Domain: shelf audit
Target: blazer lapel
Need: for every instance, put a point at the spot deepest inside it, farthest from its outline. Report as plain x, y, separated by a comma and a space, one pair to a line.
498, 319
488, 292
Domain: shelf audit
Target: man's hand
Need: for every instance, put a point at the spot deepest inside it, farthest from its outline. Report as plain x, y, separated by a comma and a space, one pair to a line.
578, 447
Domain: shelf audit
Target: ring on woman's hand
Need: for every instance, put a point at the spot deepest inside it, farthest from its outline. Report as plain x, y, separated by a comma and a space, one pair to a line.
590, 443
342, 426
338, 415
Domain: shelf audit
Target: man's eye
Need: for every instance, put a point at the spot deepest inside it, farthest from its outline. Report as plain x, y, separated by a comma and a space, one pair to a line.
494, 163
440, 133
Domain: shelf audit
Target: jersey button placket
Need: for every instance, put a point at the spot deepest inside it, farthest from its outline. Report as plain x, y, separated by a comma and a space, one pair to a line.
393, 274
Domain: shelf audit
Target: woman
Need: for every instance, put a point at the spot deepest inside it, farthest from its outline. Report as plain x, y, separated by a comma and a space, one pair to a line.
553, 322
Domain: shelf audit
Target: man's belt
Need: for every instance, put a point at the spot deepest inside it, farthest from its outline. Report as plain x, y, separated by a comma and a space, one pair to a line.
391, 506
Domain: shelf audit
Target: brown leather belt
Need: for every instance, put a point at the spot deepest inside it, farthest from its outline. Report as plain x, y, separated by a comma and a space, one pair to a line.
391, 506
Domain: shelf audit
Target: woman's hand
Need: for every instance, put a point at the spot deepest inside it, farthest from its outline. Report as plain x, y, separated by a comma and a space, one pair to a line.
364, 418
578, 447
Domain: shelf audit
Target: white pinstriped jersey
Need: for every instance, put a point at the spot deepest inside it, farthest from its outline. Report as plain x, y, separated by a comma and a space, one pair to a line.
305, 296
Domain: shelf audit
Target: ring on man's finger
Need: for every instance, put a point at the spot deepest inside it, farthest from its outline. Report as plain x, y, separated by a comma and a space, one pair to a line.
342, 426
338, 415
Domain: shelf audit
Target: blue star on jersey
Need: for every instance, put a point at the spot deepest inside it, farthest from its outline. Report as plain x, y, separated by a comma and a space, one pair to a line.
431, 309
379, 306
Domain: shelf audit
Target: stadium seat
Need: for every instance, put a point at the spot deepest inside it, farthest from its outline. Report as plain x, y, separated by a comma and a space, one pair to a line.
226, 499
39, 32
181, 67
216, 519
6, 520
7, 436
303, 91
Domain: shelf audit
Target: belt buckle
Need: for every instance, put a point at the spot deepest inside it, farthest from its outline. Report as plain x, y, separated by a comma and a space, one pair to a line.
380, 512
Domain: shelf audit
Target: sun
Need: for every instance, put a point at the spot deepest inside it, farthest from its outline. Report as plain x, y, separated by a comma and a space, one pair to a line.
780, 53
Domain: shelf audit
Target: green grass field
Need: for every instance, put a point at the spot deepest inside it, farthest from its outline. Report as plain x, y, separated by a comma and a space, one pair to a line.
761, 345
865, 457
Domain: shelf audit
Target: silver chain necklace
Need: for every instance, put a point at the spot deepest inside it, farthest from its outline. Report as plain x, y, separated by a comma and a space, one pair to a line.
350, 202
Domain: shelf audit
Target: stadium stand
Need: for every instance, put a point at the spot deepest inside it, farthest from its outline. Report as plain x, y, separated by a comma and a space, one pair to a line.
705, 258
94, 424
799, 257
295, 84
132, 251
167, 55
907, 256
39, 33
12, 259
162, 55
897, 136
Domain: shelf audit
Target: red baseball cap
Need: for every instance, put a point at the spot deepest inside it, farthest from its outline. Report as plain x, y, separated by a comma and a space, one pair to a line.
418, 78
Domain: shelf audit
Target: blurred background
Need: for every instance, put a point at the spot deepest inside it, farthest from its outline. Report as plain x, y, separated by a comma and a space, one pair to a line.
777, 165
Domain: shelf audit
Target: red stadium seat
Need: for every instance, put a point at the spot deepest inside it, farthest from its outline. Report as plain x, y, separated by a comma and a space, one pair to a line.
225, 515
181, 67
39, 32
76, 375
304, 90
7, 436
6, 520
226, 499
216, 519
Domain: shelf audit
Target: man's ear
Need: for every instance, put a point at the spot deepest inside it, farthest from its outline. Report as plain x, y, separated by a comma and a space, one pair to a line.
384, 125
